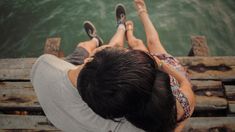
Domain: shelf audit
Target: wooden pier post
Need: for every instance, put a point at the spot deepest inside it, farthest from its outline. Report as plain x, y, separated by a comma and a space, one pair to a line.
199, 46
52, 46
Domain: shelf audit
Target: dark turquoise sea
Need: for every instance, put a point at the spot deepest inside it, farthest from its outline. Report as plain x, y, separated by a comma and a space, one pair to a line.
25, 24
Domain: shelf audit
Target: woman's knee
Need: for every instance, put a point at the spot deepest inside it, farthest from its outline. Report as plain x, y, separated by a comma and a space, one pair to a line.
136, 42
152, 40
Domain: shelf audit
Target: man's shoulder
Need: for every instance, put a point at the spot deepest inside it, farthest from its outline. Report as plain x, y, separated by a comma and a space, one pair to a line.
48, 58
47, 64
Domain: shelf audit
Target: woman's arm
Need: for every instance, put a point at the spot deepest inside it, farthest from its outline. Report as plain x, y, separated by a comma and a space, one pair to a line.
185, 86
183, 81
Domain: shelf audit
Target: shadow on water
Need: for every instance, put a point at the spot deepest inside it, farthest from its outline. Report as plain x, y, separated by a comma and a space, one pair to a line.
25, 24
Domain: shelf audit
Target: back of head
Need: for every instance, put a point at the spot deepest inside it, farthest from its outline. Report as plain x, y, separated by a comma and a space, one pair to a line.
119, 83
115, 81
159, 112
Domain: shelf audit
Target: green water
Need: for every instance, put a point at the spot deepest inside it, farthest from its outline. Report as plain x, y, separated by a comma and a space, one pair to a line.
25, 24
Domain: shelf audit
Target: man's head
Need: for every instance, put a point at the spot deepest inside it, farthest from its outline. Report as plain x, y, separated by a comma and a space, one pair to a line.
119, 83
112, 82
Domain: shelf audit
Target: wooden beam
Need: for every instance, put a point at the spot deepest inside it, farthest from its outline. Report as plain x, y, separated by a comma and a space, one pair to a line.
28, 130
18, 99
197, 84
231, 107
16, 69
214, 68
24, 97
230, 92
208, 88
210, 124
15, 85
219, 68
41, 123
207, 61
19, 63
25, 122
199, 72
15, 74
210, 103
206, 85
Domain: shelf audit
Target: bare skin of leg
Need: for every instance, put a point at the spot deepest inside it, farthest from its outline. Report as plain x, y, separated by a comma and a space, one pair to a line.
116, 41
118, 38
133, 42
153, 42
89, 45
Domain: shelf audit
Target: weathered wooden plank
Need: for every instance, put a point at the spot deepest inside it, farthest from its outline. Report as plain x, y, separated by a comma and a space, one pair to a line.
42, 123
207, 61
15, 85
210, 124
198, 67
230, 92
25, 122
28, 130
208, 88
231, 106
197, 85
210, 103
15, 74
18, 98
220, 68
52, 46
19, 63
26, 99
206, 85
21, 95
198, 73
199, 46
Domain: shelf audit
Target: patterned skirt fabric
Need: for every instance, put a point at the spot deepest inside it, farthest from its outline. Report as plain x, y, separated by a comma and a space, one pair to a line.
175, 87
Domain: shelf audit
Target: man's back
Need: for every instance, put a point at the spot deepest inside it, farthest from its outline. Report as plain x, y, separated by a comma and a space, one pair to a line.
61, 101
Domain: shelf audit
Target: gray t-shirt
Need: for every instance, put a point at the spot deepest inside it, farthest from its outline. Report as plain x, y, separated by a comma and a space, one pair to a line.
62, 103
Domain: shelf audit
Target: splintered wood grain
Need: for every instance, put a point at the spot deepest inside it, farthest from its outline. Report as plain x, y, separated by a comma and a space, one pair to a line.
213, 68
21, 95
52, 46
195, 124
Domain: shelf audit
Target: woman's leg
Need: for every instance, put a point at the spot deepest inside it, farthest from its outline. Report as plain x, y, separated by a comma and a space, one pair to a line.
82, 51
118, 38
133, 42
153, 41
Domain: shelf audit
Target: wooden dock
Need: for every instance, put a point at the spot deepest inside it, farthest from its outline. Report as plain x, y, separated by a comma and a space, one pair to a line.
213, 80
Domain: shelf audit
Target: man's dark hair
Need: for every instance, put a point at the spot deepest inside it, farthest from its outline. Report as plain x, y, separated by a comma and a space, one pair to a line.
119, 83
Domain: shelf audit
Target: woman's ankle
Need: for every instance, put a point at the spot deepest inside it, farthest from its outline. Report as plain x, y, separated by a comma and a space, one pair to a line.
121, 27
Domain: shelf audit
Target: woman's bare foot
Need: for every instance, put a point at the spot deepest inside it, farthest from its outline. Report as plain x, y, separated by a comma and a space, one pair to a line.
129, 31
133, 42
140, 6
